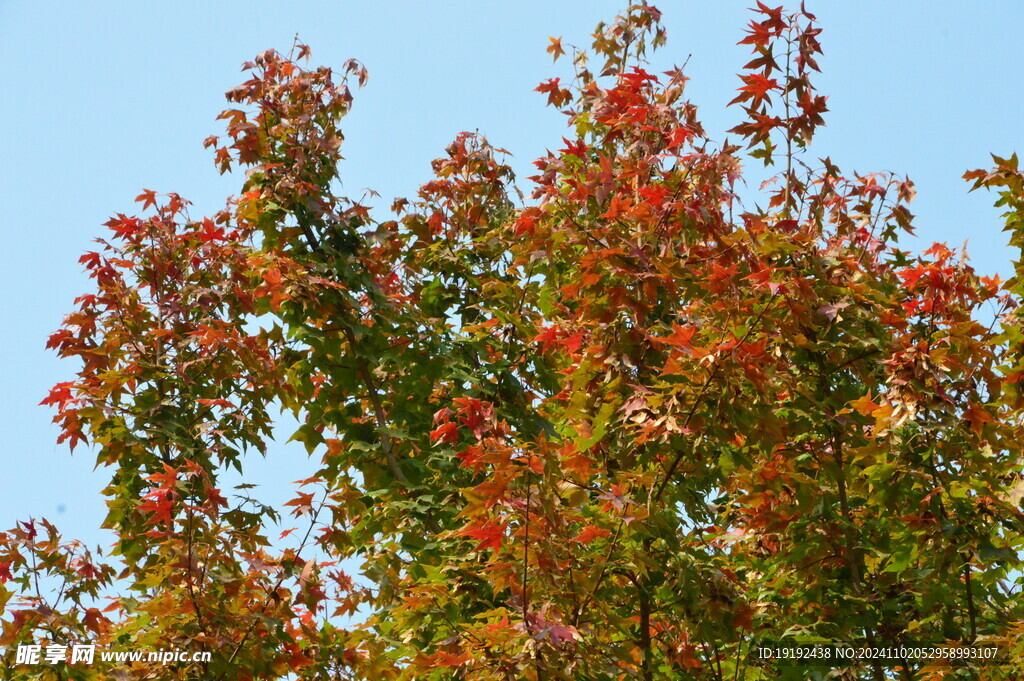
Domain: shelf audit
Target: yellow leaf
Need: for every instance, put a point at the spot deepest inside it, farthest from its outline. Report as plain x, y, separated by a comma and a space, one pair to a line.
864, 405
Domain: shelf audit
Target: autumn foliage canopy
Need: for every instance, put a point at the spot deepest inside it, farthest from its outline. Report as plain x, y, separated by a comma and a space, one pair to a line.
630, 422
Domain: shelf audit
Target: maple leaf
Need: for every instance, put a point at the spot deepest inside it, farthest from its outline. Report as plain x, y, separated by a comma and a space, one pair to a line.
774, 14
679, 136
911, 275
555, 48
210, 232
578, 148
758, 128
303, 504
763, 278
864, 405
939, 250
167, 479
95, 621
680, 337
831, 311
58, 339
977, 416
755, 88
91, 260
446, 659
619, 205
572, 342
557, 96
758, 35
219, 402
813, 106
124, 226
147, 198
561, 634
488, 532
589, 533
654, 194
554, 335
159, 504
446, 433
60, 396
471, 458
214, 499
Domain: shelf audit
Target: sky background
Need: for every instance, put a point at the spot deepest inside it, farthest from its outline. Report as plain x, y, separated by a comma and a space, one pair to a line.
104, 99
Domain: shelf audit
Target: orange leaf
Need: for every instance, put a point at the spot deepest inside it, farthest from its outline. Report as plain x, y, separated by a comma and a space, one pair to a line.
864, 405
590, 533
147, 198
555, 48
488, 532
978, 417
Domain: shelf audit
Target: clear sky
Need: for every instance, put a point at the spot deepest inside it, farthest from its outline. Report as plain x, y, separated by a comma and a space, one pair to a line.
106, 98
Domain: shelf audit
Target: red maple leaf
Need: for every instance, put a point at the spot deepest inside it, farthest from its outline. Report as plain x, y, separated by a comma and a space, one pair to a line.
681, 336
60, 395
488, 532
158, 505
590, 533
756, 87
556, 95
446, 433
147, 198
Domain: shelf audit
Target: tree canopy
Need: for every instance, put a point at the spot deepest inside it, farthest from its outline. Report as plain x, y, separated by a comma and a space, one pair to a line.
632, 421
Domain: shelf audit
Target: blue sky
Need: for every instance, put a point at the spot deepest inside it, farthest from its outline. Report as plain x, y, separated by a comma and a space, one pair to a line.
104, 99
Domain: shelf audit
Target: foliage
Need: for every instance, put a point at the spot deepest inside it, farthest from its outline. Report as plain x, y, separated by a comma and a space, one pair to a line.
632, 427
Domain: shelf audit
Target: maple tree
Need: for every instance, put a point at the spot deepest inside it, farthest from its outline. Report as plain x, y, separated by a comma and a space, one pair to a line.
630, 426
